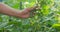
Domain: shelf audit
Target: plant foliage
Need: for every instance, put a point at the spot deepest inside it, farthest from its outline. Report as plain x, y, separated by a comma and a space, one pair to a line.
46, 19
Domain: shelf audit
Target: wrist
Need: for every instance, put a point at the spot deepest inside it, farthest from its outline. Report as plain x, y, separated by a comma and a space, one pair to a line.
19, 14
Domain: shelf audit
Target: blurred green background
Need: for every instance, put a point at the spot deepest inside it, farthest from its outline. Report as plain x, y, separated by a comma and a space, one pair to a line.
46, 19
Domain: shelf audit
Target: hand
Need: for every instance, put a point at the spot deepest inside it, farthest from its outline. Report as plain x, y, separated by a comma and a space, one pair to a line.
26, 12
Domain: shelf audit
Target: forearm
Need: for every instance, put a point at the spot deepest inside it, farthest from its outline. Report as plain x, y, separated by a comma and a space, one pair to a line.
5, 9
0, 7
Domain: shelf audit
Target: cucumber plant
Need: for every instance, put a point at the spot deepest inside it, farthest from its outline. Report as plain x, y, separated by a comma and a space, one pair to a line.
43, 21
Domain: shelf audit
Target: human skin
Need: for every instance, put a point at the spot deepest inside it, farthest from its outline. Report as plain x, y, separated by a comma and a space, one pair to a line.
7, 10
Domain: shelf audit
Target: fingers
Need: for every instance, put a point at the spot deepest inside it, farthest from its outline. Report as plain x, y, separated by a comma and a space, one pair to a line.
25, 15
32, 14
28, 15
